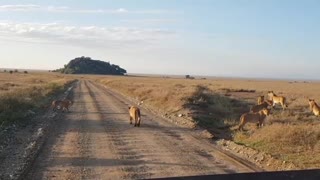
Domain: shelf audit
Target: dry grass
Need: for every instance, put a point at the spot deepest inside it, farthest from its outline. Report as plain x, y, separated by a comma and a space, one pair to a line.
216, 104
299, 144
21, 94
169, 97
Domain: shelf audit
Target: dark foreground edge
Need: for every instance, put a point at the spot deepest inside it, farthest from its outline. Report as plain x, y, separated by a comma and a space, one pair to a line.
313, 174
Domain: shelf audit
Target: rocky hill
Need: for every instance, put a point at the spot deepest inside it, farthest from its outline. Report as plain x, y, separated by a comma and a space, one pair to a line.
86, 65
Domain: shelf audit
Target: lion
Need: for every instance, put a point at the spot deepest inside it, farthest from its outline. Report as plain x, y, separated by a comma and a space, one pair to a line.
277, 99
260, 100
314, 107
254, 117
264, 104
64, 104
134, 113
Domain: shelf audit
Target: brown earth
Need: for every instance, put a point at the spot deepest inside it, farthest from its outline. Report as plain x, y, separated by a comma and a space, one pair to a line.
95, 141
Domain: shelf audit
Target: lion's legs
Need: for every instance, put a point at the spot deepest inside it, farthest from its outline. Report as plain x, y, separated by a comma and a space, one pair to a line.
240, 128
139, 122
260, 123
65, 109
130, 120
135, 122
283, 105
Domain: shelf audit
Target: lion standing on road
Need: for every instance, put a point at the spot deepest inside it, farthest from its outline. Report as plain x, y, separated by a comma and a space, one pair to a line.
64, 104
134, 113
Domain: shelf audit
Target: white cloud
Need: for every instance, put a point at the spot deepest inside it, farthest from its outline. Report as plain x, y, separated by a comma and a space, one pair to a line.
22, 7
122, 10
149, 21
64, 9
93, 36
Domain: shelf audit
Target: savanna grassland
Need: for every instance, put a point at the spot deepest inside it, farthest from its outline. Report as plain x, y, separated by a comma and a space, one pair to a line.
24, 94
292, 135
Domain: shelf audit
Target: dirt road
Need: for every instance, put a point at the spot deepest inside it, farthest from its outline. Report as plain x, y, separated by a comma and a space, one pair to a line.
95, 141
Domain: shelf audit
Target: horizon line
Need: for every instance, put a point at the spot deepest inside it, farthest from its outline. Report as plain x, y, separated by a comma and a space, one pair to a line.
194, 75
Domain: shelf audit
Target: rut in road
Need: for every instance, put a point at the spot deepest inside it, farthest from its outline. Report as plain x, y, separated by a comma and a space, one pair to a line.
95, 141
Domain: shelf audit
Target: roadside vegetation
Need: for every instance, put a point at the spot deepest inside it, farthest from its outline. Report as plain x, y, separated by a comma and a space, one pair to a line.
22, 95
292, 135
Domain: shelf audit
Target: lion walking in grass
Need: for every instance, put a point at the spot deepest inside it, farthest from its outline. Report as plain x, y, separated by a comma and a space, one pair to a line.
277, 99
254, 118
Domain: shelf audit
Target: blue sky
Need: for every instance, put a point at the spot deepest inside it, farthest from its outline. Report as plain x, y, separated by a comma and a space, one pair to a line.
240, 38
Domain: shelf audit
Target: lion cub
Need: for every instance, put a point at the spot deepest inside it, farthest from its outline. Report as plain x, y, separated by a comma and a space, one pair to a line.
314, 107
134, 113
64, 104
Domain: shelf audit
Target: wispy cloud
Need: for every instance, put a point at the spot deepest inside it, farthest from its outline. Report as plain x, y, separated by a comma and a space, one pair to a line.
64, 9
149, 21
93, 36
20, 7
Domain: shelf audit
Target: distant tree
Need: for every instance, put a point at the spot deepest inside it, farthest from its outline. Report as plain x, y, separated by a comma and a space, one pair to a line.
189, 77
5, 70
16, 70
10, 71
26, 72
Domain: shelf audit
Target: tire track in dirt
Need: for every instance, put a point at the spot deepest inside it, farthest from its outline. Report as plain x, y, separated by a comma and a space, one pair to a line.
70, 151
127, 145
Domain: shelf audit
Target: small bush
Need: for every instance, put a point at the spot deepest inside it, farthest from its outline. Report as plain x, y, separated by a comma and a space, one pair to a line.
13, 109
179, 86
